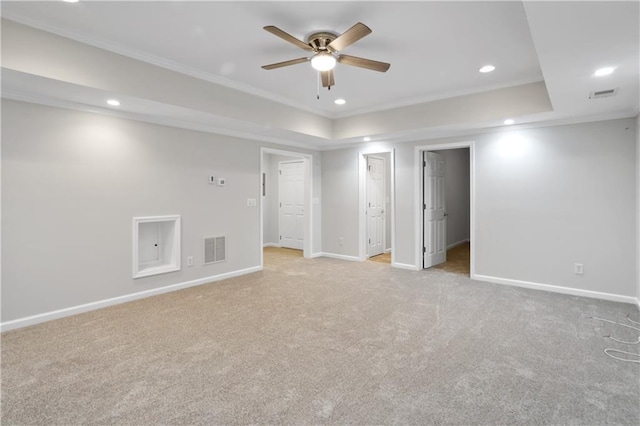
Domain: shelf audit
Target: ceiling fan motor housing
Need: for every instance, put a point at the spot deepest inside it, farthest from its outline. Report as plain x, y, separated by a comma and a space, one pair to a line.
320, 41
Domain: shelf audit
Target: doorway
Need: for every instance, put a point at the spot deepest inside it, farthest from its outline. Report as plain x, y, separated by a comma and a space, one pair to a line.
285, 208
445, 208
377, 212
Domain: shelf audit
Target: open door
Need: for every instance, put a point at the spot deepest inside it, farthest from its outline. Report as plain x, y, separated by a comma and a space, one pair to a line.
434, 210
376, 197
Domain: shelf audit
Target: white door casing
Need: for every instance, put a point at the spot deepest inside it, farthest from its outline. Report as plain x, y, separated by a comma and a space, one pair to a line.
291, 204
434, 210
375, 205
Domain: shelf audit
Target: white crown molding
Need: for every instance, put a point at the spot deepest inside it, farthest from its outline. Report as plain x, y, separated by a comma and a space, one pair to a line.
433, 133
162, 62
163, 121
425, 134
436, 97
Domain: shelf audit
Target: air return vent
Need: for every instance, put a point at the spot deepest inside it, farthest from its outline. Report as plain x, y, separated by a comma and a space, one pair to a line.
603, 94
215, 249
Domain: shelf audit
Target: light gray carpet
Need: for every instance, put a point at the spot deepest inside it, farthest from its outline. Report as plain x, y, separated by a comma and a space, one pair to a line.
326, 341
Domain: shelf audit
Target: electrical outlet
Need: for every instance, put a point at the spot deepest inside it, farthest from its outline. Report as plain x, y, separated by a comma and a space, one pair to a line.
251, 202
578, 269
190, 261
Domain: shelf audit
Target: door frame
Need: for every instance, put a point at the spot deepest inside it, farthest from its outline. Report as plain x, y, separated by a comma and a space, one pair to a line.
362, 199
419, 186
307, 160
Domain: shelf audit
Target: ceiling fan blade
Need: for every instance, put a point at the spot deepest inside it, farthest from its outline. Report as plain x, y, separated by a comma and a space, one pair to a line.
363, 63
327, 78
349, 37
285, 63
288, 37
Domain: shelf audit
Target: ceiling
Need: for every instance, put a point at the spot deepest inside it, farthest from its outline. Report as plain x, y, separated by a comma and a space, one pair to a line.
435, 50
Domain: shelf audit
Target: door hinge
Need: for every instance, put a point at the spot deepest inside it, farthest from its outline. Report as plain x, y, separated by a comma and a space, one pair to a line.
369, 168
280, 204
369, 241
424, 207
424, 164
424, 249
280, 236
280, 171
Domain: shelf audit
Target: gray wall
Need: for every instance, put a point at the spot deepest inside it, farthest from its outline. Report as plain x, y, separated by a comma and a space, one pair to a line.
73, 181
457, 194
539, 209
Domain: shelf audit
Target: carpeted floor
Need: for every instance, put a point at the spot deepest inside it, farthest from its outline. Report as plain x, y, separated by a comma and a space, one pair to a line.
310, 341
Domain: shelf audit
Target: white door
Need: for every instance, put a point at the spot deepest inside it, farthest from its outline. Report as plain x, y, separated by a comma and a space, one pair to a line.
291, 204
375, 205
434, 216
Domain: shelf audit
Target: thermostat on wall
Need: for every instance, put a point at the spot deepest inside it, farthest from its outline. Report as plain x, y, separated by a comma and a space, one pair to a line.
222, 181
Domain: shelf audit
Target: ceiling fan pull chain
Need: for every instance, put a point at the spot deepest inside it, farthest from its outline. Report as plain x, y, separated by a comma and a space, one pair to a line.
318, 88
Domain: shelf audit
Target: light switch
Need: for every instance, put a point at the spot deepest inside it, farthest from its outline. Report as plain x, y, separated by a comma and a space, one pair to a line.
251, 202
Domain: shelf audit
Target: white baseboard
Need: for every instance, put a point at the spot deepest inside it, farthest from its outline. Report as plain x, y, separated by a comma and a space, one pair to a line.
456, 244
314, 255
405, 266
556, 289
387, 250
340, 256
74, 310
271, 245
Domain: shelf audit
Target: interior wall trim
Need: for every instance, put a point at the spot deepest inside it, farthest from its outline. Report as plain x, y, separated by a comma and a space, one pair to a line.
340, 256
405, 266
557, 289
74, 310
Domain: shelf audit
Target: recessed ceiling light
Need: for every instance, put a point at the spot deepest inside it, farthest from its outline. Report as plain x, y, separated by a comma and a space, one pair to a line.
509, 121
70, 1
113, 102
487, 68
339, 102
604, 71
366, 139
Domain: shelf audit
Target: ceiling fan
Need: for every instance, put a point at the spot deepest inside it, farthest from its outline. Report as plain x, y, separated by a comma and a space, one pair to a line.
325, 47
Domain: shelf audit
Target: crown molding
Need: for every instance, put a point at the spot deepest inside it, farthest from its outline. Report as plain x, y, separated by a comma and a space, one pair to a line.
437, 97
161, 62
163, 121
429, 134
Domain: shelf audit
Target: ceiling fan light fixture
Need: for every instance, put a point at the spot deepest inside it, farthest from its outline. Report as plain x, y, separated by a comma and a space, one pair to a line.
340, 101
323, 61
